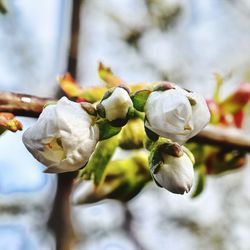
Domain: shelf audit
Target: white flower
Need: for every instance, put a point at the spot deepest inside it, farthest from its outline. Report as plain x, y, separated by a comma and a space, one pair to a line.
176, 174
63, 138
117, 104
176, 114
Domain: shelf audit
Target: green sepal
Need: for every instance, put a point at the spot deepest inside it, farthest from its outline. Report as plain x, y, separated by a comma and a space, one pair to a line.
150, 134
201, 181
156, 182
106, 130
171, 148
155, 168
189, 154
155, 160
139, 99
163, 86
101, 110
89, 108
118, 123
191, 101
108, 94
131, 113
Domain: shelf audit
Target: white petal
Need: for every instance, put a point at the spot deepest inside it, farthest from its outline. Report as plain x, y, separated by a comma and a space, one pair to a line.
168, 114
176, 174
117, 105
201, 114
63, 138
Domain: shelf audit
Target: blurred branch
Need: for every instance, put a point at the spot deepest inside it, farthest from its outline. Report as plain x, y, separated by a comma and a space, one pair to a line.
60, 219
22, 104
128, 227
228, 138
31, 106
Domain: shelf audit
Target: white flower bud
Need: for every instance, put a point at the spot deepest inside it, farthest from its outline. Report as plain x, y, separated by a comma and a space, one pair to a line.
176, 174
176, 114
116, 106
63, 138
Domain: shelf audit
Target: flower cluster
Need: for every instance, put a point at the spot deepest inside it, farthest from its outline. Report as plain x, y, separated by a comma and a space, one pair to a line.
66, 134
176, 114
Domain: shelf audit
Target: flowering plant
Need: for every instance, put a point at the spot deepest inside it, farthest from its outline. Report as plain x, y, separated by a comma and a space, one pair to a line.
65, 136
83, 132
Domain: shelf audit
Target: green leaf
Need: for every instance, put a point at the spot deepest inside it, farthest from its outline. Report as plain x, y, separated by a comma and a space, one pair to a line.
106, 129
122, 179
106, 74
139, 99
200, 184
100, 159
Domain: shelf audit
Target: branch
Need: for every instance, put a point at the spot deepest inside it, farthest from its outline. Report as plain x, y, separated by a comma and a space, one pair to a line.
22, 104
31, 106
60, 218
228, 138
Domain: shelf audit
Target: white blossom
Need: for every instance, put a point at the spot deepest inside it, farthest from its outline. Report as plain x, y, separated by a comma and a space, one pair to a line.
63, 138
117, 104
176, 174
176, 114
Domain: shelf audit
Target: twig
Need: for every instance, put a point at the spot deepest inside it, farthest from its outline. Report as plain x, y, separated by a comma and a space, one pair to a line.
228, 138
31, 106
60, 219
128, 227
22, 104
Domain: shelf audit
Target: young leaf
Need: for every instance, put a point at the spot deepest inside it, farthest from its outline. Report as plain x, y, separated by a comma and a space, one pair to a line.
73, 90
108, 77
100, 158
139, 99
8, 121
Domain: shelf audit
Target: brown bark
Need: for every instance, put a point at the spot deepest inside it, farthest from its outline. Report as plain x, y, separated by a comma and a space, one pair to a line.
60, 220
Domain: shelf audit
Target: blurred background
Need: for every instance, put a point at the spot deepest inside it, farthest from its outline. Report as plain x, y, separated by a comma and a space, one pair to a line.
145, 40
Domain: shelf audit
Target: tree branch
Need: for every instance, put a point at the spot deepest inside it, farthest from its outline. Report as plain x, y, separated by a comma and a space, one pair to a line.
31, 106
228, 138
22, 104
60, 219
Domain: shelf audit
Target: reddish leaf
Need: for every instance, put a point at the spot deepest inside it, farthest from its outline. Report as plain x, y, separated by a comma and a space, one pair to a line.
8, 121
